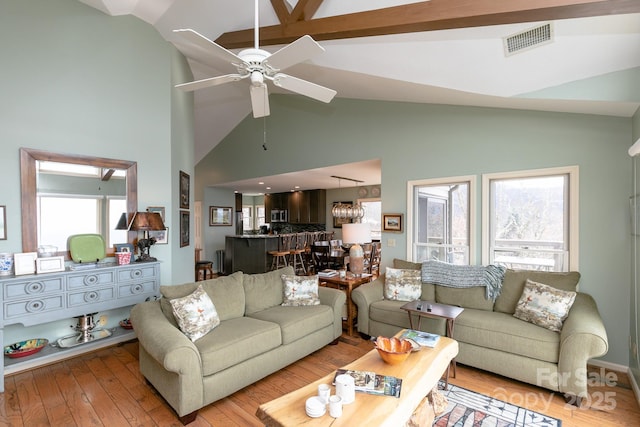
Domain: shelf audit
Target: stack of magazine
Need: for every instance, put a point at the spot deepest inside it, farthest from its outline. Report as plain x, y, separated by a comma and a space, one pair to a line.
425, 339
372, 383
327, 273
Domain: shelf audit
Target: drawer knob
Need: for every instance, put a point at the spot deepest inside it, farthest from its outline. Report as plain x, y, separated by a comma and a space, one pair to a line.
35, 306
91, 280
35, 288
136, 273
137, 289
91, 296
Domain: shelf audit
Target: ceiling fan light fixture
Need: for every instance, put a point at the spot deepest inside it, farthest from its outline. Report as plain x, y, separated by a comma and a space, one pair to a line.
257, 79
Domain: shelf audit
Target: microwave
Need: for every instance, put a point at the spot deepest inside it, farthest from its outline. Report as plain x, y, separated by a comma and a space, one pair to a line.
279, 215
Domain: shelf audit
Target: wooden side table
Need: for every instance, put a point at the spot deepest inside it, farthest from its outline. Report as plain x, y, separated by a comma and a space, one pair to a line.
347, 284
436, 311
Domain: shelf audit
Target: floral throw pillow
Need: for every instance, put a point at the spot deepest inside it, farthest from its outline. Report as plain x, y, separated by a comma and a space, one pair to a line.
300, 290
402, 285
195, 313
544, 305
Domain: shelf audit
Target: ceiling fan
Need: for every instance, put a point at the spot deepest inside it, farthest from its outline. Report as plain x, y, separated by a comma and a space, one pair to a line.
259, 66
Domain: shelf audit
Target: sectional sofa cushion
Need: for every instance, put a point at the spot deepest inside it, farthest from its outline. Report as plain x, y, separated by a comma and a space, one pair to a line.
514, 281
235, 341
300, 290
544, 306
264, 290
226, 292
297, 321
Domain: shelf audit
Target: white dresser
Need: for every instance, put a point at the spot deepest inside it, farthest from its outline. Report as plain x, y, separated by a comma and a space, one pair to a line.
42, 298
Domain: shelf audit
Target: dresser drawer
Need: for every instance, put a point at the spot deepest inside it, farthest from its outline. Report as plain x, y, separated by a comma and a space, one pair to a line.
140, 271
96, 278
32, 288
33, 306
138, 288
91, 296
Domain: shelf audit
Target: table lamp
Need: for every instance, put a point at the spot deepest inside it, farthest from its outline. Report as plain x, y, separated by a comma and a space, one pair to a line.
146, 221
356, 233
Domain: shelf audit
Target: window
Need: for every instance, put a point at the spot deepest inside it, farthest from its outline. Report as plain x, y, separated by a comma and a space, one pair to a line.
372, 216
63, 216
440, 220
247, 217
531, 219
259, 215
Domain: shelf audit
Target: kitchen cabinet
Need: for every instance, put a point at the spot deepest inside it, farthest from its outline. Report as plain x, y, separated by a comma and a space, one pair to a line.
304, 207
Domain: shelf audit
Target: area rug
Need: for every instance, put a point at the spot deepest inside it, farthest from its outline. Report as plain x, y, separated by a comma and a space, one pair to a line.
467, 408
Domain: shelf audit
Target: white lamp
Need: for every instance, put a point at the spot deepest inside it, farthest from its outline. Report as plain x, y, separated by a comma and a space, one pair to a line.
356, 234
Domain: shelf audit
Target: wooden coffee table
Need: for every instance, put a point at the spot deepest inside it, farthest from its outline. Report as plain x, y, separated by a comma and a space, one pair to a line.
420, 374
436, 311
347, 284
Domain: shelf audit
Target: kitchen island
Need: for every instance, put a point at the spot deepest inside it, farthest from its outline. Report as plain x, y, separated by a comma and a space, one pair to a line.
249, 253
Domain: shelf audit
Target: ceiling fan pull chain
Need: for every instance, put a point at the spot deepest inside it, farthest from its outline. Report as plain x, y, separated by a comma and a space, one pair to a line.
264, 133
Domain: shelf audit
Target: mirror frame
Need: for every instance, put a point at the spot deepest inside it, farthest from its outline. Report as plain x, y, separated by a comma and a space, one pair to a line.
28, 188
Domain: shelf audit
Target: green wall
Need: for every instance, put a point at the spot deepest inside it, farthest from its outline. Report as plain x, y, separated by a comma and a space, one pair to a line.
75, 80
417, 141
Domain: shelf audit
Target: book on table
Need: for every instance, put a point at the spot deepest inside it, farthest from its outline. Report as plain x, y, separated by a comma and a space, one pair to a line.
425, 339
372, 383
328, 273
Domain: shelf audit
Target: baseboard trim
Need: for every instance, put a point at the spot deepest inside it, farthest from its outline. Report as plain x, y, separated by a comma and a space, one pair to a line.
622, 369
634, 386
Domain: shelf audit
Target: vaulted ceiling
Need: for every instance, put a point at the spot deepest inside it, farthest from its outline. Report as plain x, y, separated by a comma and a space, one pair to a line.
437, 51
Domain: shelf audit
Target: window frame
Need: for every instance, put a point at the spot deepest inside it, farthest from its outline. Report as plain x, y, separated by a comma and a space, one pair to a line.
471, 181
573, 216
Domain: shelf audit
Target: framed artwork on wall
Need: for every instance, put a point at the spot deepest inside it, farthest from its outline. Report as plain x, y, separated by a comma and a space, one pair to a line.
161, 236
184, 190
392, 222
184, 228
220, 215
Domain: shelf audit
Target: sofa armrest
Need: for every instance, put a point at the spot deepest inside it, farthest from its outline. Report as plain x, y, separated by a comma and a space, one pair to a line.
583, 337
335, 299
164, 342
364, 296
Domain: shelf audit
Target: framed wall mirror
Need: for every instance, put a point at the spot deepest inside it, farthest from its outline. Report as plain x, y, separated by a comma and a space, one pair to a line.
30, 180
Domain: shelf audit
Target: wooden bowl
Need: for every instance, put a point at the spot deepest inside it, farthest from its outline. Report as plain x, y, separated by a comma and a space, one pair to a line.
393, 350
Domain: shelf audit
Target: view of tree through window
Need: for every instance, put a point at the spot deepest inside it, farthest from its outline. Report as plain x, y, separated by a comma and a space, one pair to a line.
529, 220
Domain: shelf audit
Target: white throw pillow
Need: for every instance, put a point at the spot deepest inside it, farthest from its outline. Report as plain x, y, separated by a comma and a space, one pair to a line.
402, 285
195, 313
300, 290
544, 305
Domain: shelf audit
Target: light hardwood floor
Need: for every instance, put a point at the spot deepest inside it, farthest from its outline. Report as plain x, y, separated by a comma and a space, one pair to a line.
105, 388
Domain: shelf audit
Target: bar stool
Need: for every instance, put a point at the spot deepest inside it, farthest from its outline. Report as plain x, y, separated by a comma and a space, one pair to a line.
281, 254
298, 244
204, 267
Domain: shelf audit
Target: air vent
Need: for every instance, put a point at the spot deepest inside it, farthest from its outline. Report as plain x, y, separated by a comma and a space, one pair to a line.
528, 39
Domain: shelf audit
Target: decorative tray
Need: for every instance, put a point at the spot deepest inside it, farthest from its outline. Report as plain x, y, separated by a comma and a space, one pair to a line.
25, 348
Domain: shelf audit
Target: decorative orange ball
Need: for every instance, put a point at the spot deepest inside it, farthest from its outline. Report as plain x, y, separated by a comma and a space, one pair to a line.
393, 350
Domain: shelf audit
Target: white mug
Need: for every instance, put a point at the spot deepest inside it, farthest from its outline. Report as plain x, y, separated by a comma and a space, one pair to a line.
335, 406
323, 392
346, 388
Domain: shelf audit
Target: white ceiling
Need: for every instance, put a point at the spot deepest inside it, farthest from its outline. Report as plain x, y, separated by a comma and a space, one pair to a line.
460, 67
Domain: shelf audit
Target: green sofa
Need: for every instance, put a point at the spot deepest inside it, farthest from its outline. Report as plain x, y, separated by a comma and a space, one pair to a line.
256, 337
492, 339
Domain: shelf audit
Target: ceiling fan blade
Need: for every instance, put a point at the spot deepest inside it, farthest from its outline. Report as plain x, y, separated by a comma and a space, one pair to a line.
212, 81
298, 51
209, 46
260, 100
304, 87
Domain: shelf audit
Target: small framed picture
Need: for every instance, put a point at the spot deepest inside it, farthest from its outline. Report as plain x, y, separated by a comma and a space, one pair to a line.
184, 190
25, 263
220, 215
161, 236
50, 264
159, 210
184, 228
392, 222
124, 247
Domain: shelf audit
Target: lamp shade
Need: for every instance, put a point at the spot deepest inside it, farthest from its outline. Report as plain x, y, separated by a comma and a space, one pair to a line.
123, 224
356, 233
146, 221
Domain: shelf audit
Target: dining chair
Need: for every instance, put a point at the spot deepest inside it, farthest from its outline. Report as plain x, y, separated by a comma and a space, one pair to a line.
320, 252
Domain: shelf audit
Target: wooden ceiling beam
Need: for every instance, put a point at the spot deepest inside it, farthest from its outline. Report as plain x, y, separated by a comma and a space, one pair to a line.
304, 10
283, 12
427, 16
